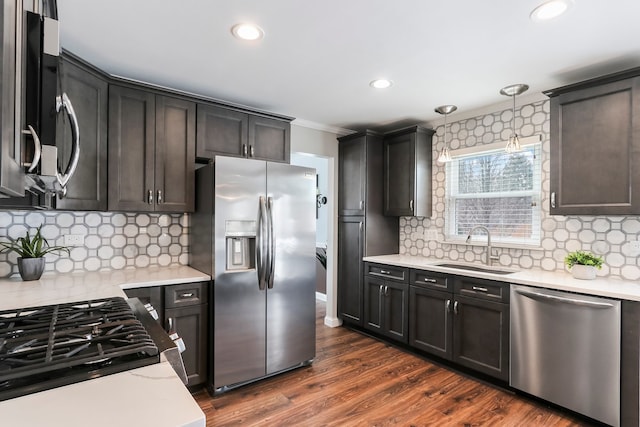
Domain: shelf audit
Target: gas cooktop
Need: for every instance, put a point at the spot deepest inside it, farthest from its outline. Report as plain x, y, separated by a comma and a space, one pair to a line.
50, 346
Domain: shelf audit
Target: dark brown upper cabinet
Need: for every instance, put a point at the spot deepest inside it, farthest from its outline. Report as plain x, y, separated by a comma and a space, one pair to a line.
227, 132
88, 90
595, 147
407, 172
151, 151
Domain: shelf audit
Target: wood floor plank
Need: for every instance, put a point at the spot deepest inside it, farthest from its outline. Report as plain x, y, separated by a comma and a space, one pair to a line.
356, 380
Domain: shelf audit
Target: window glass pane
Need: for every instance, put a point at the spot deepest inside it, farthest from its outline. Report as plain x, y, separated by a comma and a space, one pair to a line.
496, 172
509, 217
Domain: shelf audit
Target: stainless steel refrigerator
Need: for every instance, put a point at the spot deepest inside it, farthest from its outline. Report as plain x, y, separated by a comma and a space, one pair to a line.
254, 232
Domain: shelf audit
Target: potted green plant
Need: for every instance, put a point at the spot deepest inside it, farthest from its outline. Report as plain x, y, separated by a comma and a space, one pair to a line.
31, 252
583, 264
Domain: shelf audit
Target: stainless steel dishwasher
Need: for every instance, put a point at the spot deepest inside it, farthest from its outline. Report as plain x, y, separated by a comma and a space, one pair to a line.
565, 348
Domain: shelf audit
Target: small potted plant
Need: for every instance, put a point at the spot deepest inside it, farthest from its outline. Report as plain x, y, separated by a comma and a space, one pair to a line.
583, 264
31, 252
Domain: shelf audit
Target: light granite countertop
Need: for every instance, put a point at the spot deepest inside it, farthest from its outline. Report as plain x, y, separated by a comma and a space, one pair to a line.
148, 396
558, 280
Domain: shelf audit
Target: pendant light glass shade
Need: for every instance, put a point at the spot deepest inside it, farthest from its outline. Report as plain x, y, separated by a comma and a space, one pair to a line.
445, 155
513, 146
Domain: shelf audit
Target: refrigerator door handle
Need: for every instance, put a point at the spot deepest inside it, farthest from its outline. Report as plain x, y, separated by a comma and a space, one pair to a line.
271, 244
261, 244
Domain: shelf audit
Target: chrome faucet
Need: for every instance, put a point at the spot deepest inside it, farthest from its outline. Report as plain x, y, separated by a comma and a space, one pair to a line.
490, 256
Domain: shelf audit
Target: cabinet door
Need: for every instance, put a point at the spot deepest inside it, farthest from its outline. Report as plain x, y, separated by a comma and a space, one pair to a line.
352, 176
11, 172
269, 139
396, 310
131, 149
221, 131
175, 158
373, 304
350, 268
595, 150
399, 175
149, 295
430, 318
481, 336
88, 92
190, 323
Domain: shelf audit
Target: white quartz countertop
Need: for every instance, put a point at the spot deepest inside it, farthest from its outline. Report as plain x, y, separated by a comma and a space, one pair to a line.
149, 396
61, 288
558, 280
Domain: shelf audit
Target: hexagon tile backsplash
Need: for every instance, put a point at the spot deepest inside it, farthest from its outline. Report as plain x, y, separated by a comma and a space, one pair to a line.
606, 236
111, 240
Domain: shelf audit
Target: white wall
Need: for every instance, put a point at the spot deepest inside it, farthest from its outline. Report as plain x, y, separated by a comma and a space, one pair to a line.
323, 143
321, 165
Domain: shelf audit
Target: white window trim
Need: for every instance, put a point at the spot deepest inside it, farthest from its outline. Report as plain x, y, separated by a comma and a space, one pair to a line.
535, 193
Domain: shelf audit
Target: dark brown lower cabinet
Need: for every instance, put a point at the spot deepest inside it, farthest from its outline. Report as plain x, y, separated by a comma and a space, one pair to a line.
430, 321
191, 325
386, 308
481, 335
350, 268
185, 307
467, 323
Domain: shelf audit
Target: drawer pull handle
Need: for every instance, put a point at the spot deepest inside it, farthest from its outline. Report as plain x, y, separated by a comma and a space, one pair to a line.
429, 280
385, 272
480, 289
187, 295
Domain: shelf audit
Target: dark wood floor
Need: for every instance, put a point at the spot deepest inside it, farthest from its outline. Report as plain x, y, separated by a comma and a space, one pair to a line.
358, 381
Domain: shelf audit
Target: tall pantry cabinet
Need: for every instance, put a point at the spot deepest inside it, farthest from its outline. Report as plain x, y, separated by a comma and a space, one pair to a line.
363, 230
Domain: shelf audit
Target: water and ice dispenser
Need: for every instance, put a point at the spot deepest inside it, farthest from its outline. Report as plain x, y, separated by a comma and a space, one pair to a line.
240, 237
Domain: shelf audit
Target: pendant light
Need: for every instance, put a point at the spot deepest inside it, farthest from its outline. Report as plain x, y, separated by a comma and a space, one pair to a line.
513, 146
445, 156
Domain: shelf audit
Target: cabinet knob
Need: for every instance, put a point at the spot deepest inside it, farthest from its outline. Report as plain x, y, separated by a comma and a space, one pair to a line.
150, 197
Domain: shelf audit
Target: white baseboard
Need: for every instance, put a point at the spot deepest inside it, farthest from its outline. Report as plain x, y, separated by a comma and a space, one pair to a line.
321, 297
332, 322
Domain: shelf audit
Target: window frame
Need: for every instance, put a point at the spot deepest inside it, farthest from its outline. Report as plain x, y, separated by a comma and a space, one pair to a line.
450, 198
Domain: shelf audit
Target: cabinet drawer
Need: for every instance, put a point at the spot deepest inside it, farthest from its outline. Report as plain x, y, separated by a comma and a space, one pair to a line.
187, 294
429, 279
480, 288
387, 271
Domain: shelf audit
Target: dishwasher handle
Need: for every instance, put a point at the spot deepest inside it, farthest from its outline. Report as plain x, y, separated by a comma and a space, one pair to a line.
541, 297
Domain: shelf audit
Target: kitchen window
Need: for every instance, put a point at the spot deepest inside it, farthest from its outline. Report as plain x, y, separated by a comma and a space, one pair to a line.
498, 190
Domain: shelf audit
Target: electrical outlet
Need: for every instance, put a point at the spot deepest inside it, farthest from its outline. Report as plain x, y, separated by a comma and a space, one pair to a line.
634, 247
74, 239
431, 234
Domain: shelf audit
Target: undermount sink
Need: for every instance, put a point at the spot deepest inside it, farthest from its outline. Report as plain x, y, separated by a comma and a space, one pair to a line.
474, 268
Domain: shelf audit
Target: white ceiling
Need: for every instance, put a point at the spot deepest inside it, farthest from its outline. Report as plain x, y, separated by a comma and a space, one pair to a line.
318, 56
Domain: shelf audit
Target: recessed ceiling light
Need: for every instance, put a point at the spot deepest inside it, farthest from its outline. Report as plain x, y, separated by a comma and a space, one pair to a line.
381, 83
550, 9
247, 32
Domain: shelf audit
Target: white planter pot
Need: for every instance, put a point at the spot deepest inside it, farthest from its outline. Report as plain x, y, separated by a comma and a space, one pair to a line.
584, 272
